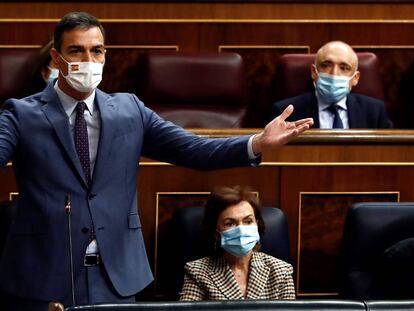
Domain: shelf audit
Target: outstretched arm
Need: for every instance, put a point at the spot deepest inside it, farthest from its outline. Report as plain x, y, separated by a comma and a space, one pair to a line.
278, 131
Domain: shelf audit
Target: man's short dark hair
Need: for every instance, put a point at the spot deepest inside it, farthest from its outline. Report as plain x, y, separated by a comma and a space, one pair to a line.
74, 20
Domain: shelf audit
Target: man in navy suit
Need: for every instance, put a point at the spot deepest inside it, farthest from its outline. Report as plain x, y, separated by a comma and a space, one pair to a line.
332, 105
74, 140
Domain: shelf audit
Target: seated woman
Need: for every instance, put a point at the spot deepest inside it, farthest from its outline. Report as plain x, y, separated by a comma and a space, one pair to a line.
42, 72
236, 269
47, 68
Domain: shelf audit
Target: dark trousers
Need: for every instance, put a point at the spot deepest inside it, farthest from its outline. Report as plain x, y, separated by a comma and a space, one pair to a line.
92, 286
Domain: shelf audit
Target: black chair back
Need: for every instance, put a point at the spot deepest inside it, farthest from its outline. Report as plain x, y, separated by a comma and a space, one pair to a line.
378, 251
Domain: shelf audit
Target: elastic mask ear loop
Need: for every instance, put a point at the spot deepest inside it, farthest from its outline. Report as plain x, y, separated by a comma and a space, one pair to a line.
67, 64
317, 74
353, 76
316, 69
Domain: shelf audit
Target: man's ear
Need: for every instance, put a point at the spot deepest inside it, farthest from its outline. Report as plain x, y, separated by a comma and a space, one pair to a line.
314, 73
354, 81
54, 55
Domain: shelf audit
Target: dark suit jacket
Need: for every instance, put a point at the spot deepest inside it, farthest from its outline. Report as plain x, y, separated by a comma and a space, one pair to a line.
363, 111
212, 279
34, 133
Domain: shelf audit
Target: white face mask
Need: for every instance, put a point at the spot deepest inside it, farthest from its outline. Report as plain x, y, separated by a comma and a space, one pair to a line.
83, 76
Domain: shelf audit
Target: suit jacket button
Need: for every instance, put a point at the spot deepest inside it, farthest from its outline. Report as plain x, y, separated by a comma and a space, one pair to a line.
91, 196
85, 230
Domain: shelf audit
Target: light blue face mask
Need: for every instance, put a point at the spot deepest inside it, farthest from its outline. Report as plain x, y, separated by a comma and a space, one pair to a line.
240, 240
54, 73
331, 89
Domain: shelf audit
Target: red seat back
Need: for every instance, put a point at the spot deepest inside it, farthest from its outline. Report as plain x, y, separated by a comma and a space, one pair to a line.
206, 90
16, 70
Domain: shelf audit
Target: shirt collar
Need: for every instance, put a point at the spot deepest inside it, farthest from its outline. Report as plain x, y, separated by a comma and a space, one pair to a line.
69, 103
323, 105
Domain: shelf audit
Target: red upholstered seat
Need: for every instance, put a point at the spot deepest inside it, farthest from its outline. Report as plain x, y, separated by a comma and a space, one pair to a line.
294, 75
16, 69
206, 90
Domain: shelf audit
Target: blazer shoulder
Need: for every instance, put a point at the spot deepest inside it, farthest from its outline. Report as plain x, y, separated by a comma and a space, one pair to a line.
27, 107
364, 99
200, 265
126, 103
305, 106
118, 97
296, 100
275, 263
367, 112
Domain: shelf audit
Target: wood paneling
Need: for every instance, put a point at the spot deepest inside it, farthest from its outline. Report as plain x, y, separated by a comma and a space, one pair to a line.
7, 183
333, 165
397, 72
214, 10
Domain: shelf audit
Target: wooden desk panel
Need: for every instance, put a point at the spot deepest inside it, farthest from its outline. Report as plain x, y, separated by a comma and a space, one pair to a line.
7, 183
319, 168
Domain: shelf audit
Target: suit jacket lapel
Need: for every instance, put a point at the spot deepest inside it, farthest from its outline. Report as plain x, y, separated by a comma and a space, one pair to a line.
224, 279
354, 112
108, 128
58, 118
258, 276
314, 110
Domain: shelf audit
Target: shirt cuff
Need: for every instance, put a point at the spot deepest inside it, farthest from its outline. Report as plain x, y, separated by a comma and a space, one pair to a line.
252, 156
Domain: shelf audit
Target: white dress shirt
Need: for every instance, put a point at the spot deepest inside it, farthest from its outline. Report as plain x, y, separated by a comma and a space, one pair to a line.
91, 114
93, 124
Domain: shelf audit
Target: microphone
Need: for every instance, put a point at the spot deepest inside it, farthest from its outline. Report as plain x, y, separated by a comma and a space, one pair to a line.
68, 207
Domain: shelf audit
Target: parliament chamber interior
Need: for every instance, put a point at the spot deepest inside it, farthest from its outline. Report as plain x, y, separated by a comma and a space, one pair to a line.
216, 68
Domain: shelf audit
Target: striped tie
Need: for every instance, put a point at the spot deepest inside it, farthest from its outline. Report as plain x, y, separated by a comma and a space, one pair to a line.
81, 140
337, 122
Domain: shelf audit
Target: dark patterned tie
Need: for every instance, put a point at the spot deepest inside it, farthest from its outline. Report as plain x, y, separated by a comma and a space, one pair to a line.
337, 122
81, 140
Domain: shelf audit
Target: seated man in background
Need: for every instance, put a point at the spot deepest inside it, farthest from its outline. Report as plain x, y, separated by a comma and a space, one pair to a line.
331, 105
236, 269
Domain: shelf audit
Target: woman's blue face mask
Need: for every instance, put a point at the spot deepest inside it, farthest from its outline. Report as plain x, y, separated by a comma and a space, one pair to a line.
53, 74
240, 240
330, 88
